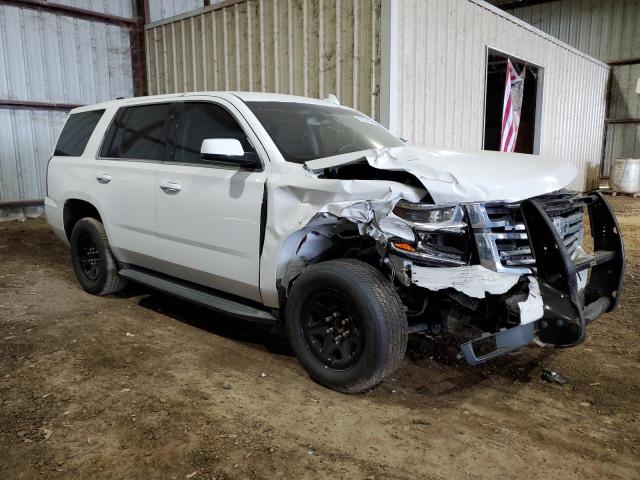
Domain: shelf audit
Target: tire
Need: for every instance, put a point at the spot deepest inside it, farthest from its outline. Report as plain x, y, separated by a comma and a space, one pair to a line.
93, 263
353, 297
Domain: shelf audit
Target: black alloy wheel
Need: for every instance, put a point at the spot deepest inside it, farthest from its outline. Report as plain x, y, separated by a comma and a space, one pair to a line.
93, 262
332, 329
88, 256
346, 324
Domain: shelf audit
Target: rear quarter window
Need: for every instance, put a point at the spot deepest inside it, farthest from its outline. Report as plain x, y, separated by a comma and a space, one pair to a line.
76, 133
138, 132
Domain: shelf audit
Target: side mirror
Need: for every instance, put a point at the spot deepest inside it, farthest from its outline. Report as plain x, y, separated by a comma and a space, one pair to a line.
229, 151
225, 147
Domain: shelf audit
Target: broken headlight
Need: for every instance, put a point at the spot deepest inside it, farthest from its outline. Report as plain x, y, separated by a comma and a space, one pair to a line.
441, 232
430, 217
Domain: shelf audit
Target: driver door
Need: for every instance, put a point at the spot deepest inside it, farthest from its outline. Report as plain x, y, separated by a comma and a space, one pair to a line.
208, 212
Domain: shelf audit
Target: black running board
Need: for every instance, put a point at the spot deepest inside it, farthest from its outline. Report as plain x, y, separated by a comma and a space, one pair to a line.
197, 295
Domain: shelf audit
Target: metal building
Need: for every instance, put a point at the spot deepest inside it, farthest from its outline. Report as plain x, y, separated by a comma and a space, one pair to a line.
610, 31
419, 66
161, 9
55, 56
441, 98
302, 47
422, 67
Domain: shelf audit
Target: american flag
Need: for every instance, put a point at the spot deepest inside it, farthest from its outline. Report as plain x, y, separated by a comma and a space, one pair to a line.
511, 107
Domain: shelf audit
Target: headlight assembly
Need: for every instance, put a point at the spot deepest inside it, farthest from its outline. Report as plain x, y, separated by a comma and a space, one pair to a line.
442, 235
423, 216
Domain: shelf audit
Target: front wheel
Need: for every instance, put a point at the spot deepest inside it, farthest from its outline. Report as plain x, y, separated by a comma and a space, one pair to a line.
346, 324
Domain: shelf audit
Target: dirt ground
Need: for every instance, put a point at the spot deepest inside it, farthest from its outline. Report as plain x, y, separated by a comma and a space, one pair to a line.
140, 385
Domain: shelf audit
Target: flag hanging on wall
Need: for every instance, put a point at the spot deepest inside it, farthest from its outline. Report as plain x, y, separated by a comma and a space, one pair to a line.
511, 107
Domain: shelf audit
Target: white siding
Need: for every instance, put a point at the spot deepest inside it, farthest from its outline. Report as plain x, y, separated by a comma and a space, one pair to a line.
605, 29
27, 138
610, 31
119, 8
440, 76
51, 58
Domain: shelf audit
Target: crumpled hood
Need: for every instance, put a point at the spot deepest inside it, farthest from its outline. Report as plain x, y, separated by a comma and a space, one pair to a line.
465, 176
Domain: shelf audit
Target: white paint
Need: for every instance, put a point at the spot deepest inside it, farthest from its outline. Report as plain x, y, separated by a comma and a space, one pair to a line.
222, 146
151, 228
473, 280
465, 176
477, 281
532, 308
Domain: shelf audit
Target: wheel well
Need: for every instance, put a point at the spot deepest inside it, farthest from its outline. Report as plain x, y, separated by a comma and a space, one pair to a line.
316, 244
75, 210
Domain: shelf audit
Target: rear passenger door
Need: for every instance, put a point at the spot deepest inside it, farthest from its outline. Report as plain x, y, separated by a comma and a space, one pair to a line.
126, 180
209, 224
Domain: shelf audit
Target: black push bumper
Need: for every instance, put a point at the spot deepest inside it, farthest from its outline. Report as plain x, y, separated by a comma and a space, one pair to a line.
567, 311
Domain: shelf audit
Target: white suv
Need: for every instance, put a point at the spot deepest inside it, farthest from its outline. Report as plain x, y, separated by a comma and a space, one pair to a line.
281, 208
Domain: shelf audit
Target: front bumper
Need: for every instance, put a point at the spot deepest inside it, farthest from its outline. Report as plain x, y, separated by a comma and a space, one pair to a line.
567, 309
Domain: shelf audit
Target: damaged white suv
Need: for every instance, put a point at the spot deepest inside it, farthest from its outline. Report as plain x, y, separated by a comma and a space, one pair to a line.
281, 208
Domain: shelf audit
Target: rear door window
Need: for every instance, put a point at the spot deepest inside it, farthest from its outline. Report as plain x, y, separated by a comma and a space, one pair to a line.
202, 120
76, 133
138, 132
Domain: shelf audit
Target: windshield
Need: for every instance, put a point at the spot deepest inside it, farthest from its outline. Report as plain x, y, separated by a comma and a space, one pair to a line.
304, 131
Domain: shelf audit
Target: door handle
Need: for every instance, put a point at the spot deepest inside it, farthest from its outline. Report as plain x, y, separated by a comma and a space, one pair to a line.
103, 178
171, 188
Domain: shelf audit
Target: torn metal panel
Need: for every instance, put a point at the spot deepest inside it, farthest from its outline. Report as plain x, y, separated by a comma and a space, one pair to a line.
459, 176
305, 208
303, 205
473, 280
532, 308
477, 281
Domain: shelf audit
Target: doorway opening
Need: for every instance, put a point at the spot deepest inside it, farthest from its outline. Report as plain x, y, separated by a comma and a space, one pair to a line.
528, 139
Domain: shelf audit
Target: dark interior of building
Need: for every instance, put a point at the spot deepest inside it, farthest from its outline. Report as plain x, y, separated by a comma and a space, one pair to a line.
496, 73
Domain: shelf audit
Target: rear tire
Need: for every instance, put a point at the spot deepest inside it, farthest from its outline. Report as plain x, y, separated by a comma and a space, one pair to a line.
346, 324
93, 262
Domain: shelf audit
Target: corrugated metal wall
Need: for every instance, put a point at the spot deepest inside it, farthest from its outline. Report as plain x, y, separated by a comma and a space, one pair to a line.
303, 47
441, 65
162, 9
51, 58
608, 30
121, 8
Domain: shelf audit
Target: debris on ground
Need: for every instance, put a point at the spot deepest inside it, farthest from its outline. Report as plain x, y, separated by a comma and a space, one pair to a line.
553, 377
420, 421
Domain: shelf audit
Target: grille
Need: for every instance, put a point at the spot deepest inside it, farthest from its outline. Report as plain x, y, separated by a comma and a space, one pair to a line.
508, 230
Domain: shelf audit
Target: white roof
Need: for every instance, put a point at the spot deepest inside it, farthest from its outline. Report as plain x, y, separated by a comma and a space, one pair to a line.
245, 96
279, 97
